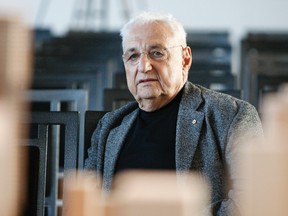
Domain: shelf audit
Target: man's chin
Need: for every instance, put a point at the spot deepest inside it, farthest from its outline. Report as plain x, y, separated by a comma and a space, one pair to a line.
147, 95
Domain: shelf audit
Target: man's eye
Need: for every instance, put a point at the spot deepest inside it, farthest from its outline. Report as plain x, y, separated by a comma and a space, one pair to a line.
134, 57
156, 54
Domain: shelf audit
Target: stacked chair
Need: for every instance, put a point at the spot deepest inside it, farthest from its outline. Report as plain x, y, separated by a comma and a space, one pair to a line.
211, 65
53, 151
78, 60
264, 64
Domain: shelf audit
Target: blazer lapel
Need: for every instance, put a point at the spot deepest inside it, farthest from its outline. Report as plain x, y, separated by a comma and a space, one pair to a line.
187, 136
114, 144
189, 124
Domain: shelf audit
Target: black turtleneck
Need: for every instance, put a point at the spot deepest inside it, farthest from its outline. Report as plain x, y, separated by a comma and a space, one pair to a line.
150, 143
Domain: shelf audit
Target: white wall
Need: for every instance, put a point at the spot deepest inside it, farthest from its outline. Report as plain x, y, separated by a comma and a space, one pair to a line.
236, 16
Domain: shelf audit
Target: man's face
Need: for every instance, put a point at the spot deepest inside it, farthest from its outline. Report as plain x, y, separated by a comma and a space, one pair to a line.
150, 77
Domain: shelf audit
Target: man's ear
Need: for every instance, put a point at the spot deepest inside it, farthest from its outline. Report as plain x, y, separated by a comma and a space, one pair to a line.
187, 59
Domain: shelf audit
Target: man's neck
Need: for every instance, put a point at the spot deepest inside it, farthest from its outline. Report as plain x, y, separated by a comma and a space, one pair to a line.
153, 104
150, 105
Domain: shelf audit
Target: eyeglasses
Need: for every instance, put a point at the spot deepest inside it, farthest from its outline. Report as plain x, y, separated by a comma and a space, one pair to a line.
157, 53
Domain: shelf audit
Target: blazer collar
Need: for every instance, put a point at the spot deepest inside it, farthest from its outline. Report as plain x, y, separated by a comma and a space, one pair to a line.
115, 142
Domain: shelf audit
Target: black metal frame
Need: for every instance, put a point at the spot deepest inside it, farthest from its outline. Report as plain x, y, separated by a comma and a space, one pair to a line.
49, 150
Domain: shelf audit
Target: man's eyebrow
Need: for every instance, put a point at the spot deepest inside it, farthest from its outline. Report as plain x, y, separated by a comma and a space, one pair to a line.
131, 50
155, 46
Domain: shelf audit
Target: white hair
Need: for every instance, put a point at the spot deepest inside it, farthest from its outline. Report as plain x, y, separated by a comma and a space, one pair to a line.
154, 17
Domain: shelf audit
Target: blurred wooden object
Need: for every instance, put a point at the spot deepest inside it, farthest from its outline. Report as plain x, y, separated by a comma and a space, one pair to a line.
156, 193
15, 53
10, 160
82, 196
265, 162
141, 193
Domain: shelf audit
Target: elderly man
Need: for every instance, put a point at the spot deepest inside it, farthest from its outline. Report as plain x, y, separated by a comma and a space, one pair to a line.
174, 124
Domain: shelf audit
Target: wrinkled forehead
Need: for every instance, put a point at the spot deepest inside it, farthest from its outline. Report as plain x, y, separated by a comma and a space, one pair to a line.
141, 36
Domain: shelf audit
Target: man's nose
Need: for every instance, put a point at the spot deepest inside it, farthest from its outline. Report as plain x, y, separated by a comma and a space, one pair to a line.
144, 64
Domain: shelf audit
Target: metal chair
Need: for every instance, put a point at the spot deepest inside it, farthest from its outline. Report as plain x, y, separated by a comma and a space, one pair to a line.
50, 173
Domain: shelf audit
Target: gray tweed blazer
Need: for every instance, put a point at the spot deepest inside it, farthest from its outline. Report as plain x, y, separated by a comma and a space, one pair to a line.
209, 127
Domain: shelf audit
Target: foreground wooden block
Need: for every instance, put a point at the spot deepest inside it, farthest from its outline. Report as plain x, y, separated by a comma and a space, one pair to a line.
10, 161
82, 197
157, 193
15, 57
140, 193
264, 169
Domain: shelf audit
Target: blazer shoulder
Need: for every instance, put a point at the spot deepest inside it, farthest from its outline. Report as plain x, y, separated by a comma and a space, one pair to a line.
216, 103
223, 100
